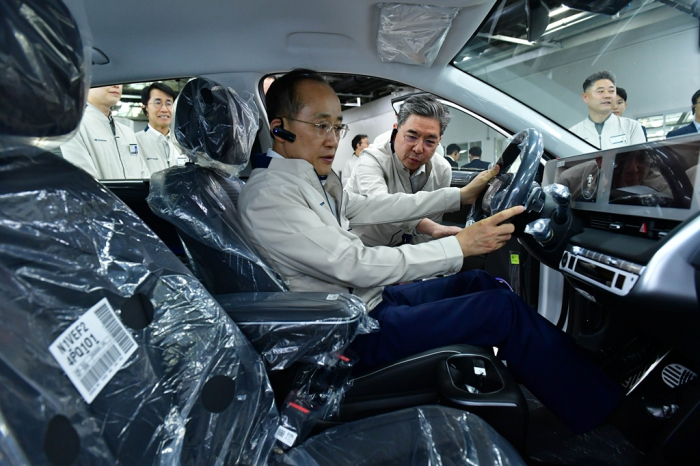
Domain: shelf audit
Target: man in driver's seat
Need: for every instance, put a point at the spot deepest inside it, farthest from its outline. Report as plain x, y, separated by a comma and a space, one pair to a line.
300, 221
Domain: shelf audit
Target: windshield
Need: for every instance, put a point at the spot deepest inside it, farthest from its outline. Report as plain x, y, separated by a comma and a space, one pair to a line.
541, 52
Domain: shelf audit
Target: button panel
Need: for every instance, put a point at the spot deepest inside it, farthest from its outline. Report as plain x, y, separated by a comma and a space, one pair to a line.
612, 274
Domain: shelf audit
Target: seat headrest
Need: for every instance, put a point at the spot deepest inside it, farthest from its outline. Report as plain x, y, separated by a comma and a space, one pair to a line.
215, 126
44, 82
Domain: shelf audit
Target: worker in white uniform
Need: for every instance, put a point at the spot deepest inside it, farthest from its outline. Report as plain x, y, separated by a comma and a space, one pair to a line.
406, 165
156, 144
106, 149
602, 128
359, 143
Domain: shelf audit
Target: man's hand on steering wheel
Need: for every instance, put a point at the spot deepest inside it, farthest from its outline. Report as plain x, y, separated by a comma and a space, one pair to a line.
471, 191
487, 235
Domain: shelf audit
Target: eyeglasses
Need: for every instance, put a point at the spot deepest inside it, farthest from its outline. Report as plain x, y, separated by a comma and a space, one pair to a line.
324, 128
159, 103
412, 140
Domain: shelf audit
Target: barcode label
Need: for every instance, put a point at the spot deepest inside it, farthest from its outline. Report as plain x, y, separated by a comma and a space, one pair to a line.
93, 349
113, 326
286, 436
100, 368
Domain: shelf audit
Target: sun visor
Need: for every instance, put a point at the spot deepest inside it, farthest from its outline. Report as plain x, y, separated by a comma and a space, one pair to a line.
45, 74
412, 34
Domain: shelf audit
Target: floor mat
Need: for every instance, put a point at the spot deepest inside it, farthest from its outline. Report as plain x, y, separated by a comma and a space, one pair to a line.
550, 442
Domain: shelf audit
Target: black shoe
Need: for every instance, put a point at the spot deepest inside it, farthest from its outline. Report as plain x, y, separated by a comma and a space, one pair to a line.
641, 418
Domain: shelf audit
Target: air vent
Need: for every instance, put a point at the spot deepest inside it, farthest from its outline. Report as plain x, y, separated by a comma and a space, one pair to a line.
604, 223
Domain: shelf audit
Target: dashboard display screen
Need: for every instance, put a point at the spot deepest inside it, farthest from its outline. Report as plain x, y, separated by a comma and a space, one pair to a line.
662, 178
581, 177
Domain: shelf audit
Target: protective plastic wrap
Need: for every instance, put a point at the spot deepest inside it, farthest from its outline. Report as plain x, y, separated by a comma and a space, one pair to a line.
420, 436
316, 395
289, 327
31, 97
194, 391
412, 34
214, 126
201, 203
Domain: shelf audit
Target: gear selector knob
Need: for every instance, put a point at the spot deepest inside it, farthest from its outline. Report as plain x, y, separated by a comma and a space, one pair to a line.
540, 230
562, 198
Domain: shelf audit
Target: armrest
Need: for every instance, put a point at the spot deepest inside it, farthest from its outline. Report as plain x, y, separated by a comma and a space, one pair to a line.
286, 327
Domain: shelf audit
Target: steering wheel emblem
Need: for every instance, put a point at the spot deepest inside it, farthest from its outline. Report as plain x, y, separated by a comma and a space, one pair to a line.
590, 181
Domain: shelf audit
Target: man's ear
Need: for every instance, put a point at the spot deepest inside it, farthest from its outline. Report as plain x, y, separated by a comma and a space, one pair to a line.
274, 123
143, 107
585, 97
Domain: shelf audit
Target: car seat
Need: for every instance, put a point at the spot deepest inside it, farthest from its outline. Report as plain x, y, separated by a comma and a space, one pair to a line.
111, 352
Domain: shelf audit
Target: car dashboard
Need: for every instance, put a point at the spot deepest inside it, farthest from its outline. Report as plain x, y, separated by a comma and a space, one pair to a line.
632, 236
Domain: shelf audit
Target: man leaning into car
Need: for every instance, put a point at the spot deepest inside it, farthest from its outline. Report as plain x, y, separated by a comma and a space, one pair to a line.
405, 164
300, 220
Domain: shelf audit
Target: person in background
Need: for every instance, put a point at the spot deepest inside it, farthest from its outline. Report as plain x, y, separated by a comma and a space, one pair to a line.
694, 126
452, 155
621, 105
406, 166
602, 128
475, 159
359, 143
104, 148
155, 141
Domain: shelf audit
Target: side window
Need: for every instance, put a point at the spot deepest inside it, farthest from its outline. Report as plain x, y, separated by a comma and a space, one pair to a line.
122, 136
471, 140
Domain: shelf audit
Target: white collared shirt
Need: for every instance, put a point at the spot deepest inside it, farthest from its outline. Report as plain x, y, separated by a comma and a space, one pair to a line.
158, 150
418, 179
697, 126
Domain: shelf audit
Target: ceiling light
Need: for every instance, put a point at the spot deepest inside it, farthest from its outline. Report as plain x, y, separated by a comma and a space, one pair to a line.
558, 11
512, 40
464, 59
565, 21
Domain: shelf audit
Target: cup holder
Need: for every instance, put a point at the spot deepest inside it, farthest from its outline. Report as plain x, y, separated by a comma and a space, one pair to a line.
474, 374
478, 382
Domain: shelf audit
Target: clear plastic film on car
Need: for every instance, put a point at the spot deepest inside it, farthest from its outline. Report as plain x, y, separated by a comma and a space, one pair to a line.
31, 98
193, 381
316, 395
426, 435
412, 34
286, 328
216, 128
214, 125
201, 204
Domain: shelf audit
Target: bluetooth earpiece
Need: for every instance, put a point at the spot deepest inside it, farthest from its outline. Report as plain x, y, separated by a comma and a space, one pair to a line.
283, 133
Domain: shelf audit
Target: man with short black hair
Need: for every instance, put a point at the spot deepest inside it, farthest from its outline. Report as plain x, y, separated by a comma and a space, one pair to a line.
475, 159
106, 149
620, 106
452, 155
694, 126
156, 144
300, 221
406, 165
359, 143
602, 128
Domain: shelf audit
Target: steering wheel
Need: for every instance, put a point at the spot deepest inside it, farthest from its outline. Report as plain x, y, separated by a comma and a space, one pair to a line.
507, 190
